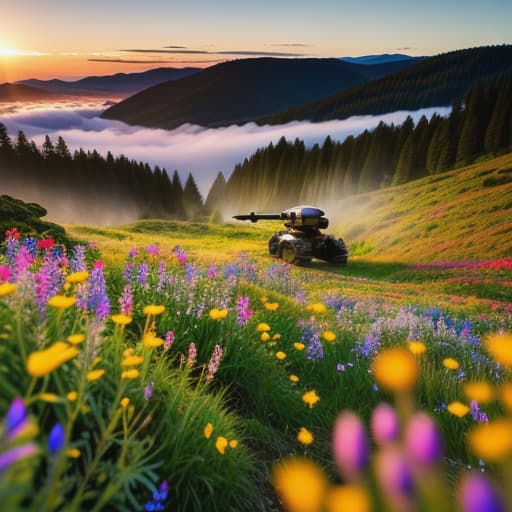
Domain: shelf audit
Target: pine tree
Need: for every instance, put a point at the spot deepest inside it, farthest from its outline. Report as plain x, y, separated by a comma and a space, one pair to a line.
498, 131
192, 199
215, 198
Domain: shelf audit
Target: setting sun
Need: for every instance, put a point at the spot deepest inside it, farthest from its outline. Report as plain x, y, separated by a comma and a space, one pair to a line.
7, 52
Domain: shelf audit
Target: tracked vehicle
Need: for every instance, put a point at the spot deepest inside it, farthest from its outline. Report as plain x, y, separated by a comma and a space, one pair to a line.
302, 239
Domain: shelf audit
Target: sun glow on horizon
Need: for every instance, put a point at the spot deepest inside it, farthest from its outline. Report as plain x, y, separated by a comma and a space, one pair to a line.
6, 51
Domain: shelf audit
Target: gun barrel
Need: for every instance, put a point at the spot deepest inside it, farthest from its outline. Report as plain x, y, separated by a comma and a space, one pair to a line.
255, 217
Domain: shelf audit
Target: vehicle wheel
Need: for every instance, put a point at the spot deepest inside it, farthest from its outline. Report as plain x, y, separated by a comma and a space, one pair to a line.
273, 245
295, 252
337, 251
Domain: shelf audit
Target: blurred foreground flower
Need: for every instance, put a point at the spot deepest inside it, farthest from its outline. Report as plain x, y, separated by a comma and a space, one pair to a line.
396, 369
42, 362
301, 485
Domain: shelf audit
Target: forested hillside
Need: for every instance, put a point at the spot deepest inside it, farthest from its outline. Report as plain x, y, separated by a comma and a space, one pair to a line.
435, 81
240, 91
86, 187
287, 173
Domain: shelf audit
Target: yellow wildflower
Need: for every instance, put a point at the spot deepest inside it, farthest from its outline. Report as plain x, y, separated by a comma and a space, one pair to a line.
417, 347
500, 348
506, 395
208, 430
42, 362
450, 363
265, 336
72, 396
48, 397
7, 288
317, 307
130, 374
128, 352
76, 339
94, 375
233, 443
218, 314
221, 444
329, 336
458, 409
262, 327
271, 306
132, 361
310, 397
276, 336
77, 277
61, 301
299, 346
125, 402
294, 378
121, 319
281, 355
73, 453
305, 436
347, 498
151, 341
264, 299
396, 369
301, 485
480, 391
154, 310
491, 441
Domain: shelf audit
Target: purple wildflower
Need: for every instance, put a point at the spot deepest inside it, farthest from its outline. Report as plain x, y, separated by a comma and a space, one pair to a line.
162, 276
56, 439
423, 440
153, 250
212, 271
395, 478
97, 299
16, 417
12, 249
477, 413
192, 353
244, 314
48, 282
128, 272
31, 245
384, 423
214, 362
340, 367
20, 452
169, 340
476, 494
148, 391
23, 260
132, 253
78, 259
350, 445
158, 499
126, 300
142, 274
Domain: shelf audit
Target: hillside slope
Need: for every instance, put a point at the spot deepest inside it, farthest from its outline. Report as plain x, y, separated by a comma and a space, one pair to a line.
244, 90
464, 214
119, 83
16, 92
433, 82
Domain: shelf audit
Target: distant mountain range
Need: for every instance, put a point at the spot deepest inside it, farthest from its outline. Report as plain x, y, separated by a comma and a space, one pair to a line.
244, 90
434, 81
120, 84
17, 92
382, 59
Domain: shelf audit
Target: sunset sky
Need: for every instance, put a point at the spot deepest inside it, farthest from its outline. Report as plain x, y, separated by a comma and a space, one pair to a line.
71, 38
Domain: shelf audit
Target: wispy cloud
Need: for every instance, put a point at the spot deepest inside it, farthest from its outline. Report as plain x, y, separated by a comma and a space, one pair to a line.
299, 45
129, 61
207, 52
189, 148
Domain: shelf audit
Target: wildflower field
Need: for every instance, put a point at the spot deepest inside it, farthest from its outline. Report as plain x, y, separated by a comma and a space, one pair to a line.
175, 366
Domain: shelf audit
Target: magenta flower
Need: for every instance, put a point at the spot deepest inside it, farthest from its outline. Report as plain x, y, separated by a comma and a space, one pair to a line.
244, 313
152, 250
350, 445
395, 479
169, 340
384, 423
423, 440
192, 353
20, 452
5, 273
477, 494
214, 362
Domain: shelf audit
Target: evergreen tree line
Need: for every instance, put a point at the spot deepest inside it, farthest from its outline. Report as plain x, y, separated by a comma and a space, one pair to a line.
287, 173
87, 187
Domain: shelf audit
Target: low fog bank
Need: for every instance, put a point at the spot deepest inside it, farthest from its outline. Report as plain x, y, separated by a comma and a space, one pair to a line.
202, 151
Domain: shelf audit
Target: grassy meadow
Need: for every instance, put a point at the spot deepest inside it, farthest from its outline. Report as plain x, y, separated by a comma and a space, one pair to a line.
176, 366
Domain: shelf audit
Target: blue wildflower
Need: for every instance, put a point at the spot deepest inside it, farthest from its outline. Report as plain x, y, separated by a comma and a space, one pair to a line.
56, 439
